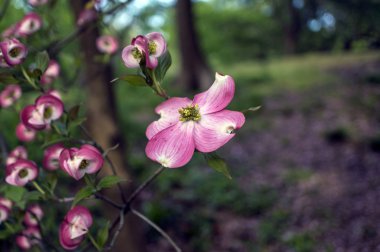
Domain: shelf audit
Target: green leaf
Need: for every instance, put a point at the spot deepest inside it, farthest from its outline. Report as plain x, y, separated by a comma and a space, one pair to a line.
42, 61
218, 164
54, 141
134, 80
76, 122
73, 112
102, 236
164, 63
32, 196
14, 193
109, 181
82, 194
7, 79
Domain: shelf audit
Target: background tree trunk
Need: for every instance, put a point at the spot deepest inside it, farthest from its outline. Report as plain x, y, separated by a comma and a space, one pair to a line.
194, 70
103, 125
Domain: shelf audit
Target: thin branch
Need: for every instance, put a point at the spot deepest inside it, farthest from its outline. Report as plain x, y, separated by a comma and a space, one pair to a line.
107, 200
117, 232
158, 229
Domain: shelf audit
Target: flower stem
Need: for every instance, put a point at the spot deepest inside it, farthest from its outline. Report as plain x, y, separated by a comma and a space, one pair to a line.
37, 186
93, 241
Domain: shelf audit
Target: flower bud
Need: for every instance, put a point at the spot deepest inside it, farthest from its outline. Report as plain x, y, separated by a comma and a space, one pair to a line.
51, 157
28, 238
33, 215
107, 44
9, 95
18, 153
51, 73
30, 23
24, 133
21, 172
13, 52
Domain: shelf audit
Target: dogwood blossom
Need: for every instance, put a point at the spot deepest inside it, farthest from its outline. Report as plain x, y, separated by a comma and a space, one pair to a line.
24, 133
21, 172
107, 44
51, 157
10, 95
185, 125
13, 52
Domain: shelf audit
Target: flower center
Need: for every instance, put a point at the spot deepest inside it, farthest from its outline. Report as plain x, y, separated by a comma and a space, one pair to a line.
31, 25
152, 47
189, 113
14, 52
23, 173
83, 164
48, 112
136, 53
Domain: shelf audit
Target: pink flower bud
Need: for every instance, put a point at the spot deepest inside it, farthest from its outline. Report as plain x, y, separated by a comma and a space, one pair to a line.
5, 209
37, 2
51, 157
13, 52
9, 32
77, 162
107, 44
54, 93
21, 172
148, 48
28, 238
9, 95
73, 228
47, 108
51, 73
30, 23
33, 215
24, 133
6, 203
18, 153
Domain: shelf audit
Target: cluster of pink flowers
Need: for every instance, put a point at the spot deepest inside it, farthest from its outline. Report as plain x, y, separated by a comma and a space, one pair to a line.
31, 234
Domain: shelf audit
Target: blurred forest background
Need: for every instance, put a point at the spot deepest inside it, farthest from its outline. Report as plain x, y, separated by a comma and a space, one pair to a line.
305, 167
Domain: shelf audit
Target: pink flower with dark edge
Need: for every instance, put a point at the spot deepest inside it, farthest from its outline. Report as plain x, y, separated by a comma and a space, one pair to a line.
107, 44
13, 51
186, 125
86, 16
47, 108
51, 157
37, 2
9, 95
77, 162
28, 238
30, 23
33, 215
21, 172
24, 133
17, 153
51, 73
148, 48
73, 228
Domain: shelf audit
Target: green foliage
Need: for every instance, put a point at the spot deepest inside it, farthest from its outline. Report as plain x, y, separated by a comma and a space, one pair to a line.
134, 80
164, 63
218, 164
83, 193
108, 181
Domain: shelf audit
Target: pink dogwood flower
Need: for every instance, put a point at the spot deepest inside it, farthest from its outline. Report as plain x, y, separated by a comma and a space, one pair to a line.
5, 209
54, 93
13, 51
17, 153
78, 162
21, 172
107, 44
37, 2
46, 109
9, 95
147, 48
86, 16
24, 133
73, 228
28, 238
33, 215
30, 23
185, 125
51, 157
51, 72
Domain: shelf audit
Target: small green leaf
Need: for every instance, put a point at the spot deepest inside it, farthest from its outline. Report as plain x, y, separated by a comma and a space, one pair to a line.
32, 196
76, 122
134, 80
54, 141
164, 63
42, 61
73, 112
109, 181
102, 236
82, 194
218, 164
14, 193
7, 79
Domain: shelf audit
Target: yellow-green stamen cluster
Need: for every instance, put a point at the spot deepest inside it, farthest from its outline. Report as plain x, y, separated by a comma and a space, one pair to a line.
23, 173
48, 112
14, 52
136, 53
152, 47
83, 164
189, 113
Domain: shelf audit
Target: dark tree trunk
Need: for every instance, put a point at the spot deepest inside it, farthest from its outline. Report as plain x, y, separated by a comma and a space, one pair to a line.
292, 28
103, 125
195, 72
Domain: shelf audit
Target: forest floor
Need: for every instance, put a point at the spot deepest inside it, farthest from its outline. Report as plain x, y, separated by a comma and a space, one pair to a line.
305, 167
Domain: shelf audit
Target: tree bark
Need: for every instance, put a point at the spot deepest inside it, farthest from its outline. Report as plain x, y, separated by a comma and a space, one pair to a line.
194, 72
102, 124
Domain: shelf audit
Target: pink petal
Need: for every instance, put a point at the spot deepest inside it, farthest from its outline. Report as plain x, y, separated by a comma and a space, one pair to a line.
215, 130
168, 110
128, 58
53, 102
160, 42
218, 96
172, 147
24, 133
